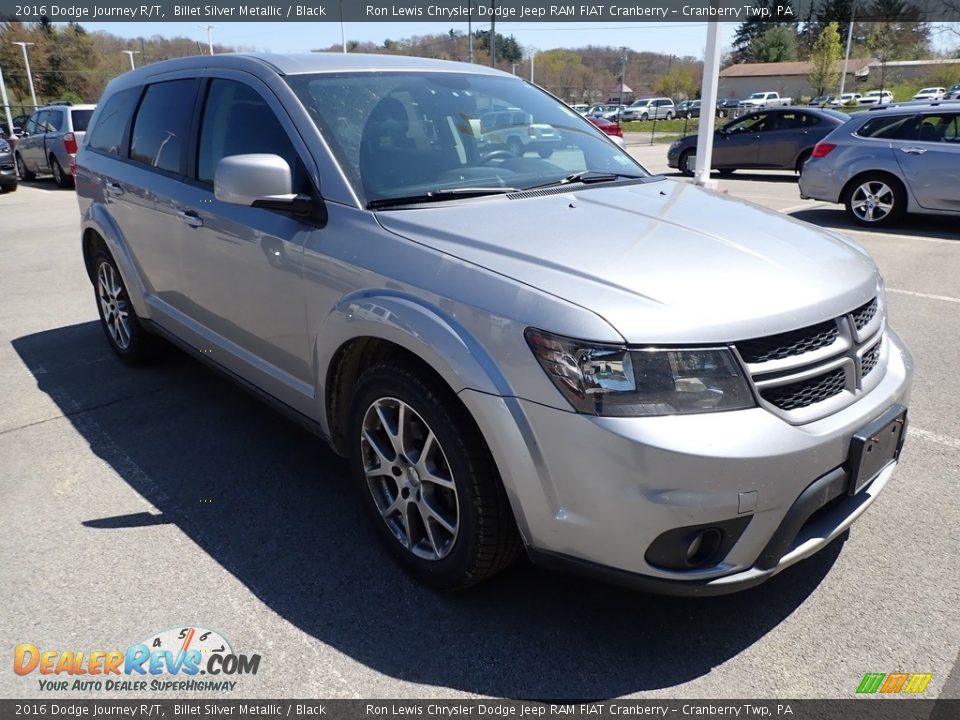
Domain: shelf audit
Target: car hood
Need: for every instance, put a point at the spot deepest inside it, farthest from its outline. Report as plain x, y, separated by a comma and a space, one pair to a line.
661, 261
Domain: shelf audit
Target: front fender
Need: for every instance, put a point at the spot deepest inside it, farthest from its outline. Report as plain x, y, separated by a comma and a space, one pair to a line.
430, 333
96, 218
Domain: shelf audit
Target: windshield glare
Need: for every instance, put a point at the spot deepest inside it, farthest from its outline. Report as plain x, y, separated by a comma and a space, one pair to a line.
399, 134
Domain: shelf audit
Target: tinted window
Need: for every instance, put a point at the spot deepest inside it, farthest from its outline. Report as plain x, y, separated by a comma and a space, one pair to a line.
51, 121
237, 121
107, 134
162, 125
938, 128
891, 127
80, 119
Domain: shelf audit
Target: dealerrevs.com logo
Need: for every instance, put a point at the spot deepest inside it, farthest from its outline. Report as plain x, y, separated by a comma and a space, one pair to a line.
171, 660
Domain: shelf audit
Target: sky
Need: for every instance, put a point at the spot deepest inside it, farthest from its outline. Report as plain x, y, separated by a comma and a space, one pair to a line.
680, 39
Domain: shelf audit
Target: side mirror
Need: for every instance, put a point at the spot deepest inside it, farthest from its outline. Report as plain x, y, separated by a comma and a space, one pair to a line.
258, 180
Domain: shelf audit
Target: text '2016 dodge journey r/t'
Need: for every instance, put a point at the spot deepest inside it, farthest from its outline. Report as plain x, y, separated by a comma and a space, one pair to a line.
703, 398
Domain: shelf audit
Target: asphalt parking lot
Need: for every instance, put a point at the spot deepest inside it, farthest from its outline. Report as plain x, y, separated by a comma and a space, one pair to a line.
139, 500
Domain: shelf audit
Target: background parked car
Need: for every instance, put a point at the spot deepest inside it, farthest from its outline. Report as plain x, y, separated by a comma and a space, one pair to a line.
930, 93
658, 108
608, 127
877, 97
8, 173
50, 140
514, 130
889, 162
771, 139
689, 109
765, 100
607, 112
581, 108
727, 106
953, 92
820, 101
847, 99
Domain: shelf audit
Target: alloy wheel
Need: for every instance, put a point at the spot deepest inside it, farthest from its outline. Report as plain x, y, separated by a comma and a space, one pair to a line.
113, 303
409, 478
873, 201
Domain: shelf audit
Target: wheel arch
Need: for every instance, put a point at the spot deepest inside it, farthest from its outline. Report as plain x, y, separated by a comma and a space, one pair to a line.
364, 329
99, 230
858, 177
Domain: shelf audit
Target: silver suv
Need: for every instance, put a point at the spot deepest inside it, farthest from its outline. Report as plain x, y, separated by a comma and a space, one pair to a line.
681, 405
650, 109
50, 140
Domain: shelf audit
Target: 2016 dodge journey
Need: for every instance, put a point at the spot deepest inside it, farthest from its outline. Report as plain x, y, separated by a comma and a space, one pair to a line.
702, 397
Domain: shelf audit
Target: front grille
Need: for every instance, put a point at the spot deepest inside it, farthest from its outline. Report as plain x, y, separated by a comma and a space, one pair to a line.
870, 360
788, 344
864, 314
806, 392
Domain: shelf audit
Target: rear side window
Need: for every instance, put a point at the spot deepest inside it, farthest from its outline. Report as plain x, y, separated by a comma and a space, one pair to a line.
237, 121
938, 128
161, 128
890, 127
52, 121
80, 119
107, 135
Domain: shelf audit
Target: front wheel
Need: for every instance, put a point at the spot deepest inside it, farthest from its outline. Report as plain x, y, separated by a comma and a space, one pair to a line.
876, 199
515, 147
22, 170
669, 115
126, 335
686, 163
428, 479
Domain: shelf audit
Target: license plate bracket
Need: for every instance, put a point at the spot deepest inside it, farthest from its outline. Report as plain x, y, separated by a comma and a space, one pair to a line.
876, 446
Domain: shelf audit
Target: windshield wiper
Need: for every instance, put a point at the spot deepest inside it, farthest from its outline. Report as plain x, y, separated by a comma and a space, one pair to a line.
587, 177
438, 196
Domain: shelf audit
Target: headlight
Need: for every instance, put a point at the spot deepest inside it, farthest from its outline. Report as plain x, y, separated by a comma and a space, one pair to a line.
612, 380
675, 144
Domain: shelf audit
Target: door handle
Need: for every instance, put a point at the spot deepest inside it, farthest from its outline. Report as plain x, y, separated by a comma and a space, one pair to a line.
914, 150
190, 218
114, 189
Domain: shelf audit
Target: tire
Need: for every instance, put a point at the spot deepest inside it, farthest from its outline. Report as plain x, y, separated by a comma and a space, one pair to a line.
59, 176
875, 199
544, 154
669, 115
515, 147
804, 156
644, 117
445, 517
22, 170
122, 328
9, 188
684, 163
726, 172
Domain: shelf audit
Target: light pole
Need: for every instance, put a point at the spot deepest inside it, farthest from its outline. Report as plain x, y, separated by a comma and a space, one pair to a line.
343, 32
26, 61
533, 59
493, 33
470, 31
130, 54
6, 108
846, 57
208, 28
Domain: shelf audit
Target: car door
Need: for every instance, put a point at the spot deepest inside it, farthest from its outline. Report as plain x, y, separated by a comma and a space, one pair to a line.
52, 127
735, 145
931, 162
783, 137
146, 194
30, 146
243, 264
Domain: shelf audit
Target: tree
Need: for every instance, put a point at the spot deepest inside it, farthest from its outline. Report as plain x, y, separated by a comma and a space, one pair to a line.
750, 31
777, 43
825, 59
677, 83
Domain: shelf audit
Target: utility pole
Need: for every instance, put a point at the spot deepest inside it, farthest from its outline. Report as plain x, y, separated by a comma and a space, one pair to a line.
846, 57
470, 31
343, 32
623, 80
533, 59
493, 34
708, 103
130, 54
26, 61
6, 107
208, 28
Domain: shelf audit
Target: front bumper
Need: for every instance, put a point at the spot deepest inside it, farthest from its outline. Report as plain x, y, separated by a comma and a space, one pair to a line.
595, 493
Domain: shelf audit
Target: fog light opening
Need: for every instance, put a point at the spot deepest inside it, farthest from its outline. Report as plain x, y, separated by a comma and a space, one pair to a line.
703, 546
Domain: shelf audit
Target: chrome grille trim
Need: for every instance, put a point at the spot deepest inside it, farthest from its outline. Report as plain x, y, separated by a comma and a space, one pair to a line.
821, 377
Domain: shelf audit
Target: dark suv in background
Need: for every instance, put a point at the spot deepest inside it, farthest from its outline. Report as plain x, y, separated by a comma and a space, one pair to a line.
50, 140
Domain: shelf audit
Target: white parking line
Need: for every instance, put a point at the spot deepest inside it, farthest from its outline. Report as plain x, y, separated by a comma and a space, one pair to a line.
806, 206
934, 437
928, 296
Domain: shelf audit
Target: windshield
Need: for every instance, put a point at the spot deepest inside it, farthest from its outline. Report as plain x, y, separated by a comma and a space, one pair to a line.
399, 135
